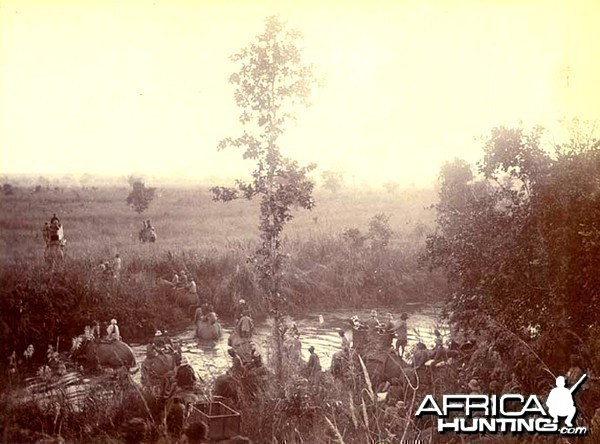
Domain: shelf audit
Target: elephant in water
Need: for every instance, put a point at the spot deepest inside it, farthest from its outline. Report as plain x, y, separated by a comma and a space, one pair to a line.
95, 353
244, 347
159, 369
230, 386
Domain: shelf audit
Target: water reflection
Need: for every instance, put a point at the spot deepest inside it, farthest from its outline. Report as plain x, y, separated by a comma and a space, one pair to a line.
319, 330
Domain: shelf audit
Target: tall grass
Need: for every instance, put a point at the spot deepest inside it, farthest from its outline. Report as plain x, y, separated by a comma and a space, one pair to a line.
214, 243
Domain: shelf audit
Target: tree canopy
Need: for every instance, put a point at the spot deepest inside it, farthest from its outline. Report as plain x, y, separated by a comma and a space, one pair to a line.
520, 238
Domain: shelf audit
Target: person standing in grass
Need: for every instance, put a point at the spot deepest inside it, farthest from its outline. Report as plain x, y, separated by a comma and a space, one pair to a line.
313, 367
117, 265
401, 333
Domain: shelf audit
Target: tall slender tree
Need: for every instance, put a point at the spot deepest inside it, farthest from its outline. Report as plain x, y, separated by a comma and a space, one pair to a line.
272, 81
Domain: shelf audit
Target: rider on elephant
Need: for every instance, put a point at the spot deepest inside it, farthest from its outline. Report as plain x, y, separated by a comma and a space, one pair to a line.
241, 309
200, 313
245, 326
112, 331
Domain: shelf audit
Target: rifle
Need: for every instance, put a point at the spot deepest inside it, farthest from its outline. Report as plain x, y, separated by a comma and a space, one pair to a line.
576, 385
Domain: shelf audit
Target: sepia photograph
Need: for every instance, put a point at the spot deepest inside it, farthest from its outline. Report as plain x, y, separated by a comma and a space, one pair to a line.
299, 222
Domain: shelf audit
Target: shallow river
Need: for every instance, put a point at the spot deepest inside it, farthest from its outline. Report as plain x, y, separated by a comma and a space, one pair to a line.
211, 359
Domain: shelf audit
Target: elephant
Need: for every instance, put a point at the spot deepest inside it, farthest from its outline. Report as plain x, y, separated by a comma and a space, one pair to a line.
54, 254
148, 235
230, 387
185, 300
103, 353
385, 366
244, 347
206, 330
159, 370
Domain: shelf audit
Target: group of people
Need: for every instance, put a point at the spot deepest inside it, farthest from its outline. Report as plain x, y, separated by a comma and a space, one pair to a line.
180, 427
108, 268
52, 231
160, 344
112, 331
397, 328
182, 281
146, 225
243, 353
206, 313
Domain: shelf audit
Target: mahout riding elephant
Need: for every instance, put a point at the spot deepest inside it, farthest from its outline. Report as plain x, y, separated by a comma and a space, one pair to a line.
102, 353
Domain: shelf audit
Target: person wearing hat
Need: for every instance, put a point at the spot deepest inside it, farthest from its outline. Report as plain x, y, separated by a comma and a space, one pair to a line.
475, 387
241, 309
313, 368
112, 331
159, 339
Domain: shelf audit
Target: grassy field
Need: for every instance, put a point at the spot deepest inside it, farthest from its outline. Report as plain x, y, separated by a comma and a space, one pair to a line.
98, 223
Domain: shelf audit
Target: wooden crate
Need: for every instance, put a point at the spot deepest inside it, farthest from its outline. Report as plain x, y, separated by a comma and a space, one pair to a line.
223, 422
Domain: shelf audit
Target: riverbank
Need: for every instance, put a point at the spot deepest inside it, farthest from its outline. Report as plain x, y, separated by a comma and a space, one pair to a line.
44, 307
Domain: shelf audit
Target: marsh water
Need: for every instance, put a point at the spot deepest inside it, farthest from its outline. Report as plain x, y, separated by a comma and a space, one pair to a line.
319, 329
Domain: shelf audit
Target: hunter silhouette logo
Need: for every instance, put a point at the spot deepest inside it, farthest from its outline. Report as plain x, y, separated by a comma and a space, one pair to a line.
560, 401
512, 413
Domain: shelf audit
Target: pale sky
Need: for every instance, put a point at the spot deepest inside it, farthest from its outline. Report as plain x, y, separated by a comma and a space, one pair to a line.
141, 86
